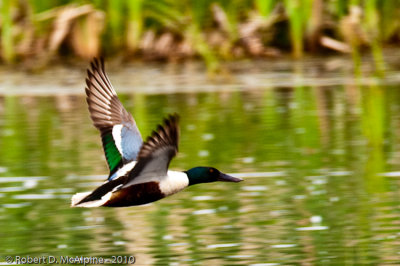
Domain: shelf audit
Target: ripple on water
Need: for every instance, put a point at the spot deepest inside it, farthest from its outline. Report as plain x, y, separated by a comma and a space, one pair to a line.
248, 159
299, 197
319, 181
340, 173
202, 198
334, 199
20, 178
16, 205
167, 237
316, 219
391, 174
264, 264
84, 227
252, 194
95, 219
3, 169
312, 228
203, 153
240, 256
318, 192
11, 189
57, 190
280, 182
85, 177
258, 174
254, 188
226, 245
32, 183
178, 244
283, 246
207, 136
62, 246
35, 196
204, 211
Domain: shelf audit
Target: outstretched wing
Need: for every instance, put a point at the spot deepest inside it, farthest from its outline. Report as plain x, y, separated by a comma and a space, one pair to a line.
153, 161
157, 151
119, 133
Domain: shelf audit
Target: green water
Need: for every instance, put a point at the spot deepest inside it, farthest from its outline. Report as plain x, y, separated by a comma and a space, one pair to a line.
321, 168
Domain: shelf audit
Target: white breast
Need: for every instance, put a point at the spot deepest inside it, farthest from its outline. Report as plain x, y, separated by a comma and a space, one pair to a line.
173, 182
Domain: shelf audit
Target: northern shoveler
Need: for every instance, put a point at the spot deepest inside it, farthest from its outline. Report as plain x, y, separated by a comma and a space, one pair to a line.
138, 170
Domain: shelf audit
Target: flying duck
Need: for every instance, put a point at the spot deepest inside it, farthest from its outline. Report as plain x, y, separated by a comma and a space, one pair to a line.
138, 170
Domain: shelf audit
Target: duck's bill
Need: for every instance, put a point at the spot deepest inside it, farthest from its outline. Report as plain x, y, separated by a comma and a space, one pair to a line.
228, 178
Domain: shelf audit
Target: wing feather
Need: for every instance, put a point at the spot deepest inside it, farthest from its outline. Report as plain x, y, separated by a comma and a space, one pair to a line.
157, 151
106, 111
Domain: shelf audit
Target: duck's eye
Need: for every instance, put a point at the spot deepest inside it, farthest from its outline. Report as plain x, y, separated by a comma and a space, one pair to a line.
211, 170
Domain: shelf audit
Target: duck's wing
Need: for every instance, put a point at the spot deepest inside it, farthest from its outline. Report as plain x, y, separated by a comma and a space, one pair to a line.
157, 151
153, 161
119, 133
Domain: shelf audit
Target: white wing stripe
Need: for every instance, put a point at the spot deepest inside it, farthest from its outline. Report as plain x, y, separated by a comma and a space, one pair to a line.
123, 171
116, 132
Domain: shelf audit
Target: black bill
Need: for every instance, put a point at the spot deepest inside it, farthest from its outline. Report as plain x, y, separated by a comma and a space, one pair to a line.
227, 178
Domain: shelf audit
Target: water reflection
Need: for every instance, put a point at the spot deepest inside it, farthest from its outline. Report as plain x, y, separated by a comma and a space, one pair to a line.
320, 166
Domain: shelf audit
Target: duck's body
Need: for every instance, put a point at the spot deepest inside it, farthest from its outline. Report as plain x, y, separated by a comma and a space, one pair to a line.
138, 170
142, 190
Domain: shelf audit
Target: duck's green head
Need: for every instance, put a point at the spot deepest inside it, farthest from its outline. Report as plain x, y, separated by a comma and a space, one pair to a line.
202, 174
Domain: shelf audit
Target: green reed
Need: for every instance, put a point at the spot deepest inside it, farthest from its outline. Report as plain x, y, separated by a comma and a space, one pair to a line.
294, 10
115, 21
265, 7
134, 24
372, 23
7, 42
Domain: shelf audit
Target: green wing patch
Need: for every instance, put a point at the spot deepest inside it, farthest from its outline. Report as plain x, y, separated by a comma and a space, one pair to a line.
113, 156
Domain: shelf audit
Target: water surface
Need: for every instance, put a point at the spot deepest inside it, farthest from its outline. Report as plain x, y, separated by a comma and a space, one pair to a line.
321, 166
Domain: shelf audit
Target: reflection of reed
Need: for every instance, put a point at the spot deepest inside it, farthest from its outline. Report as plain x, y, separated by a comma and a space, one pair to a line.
1, 107
323, 113
373, 110
136, 232
76, 124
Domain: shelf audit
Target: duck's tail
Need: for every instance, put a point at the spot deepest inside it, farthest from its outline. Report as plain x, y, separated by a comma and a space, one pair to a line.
76, 200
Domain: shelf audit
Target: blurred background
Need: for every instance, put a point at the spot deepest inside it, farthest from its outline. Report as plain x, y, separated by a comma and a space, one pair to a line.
210, 30
301, 98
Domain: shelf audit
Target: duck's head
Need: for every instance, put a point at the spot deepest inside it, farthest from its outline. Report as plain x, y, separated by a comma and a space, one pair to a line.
202, 174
